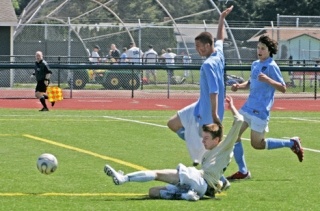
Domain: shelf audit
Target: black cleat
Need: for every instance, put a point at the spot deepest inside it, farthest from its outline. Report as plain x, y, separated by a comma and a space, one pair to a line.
52, 103
44, 109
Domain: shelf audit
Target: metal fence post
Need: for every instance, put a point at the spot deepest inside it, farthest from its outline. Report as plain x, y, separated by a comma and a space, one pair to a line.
59, 70
168, 85
132, 83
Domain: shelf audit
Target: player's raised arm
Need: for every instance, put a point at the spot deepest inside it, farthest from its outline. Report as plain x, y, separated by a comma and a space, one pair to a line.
231, 106
220, 32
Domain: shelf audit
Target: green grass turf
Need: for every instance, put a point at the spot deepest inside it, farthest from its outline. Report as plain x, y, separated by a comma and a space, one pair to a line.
84, 141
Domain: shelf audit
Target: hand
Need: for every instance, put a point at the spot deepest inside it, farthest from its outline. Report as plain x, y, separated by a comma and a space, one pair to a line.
235, 87
226, 12
229, 101
263, 77
46, 82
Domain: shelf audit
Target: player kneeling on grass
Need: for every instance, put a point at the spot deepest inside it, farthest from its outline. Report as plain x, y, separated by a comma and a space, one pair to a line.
189, 183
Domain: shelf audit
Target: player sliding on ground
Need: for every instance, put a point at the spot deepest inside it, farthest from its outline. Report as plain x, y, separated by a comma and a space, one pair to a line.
189, 183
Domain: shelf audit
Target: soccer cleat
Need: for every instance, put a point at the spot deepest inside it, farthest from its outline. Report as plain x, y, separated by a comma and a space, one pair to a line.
117, 177
44, 109
226, 185
52, 103
239, 175
191, 195
297, 148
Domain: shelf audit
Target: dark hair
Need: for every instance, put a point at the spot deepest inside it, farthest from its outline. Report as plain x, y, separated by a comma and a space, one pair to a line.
214, 129
270, 43
205, 37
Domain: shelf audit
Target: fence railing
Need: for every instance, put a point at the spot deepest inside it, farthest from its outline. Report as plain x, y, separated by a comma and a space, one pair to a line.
173, 81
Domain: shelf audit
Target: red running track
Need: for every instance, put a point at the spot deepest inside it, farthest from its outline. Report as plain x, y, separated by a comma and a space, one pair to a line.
147, 104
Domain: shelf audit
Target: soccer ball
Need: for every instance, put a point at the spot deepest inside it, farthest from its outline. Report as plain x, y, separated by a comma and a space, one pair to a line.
47, 163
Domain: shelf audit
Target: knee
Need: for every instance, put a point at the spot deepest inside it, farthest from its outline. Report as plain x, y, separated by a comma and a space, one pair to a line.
38, 95
238, 140
169, 124
172, 126
258, 144
154, 193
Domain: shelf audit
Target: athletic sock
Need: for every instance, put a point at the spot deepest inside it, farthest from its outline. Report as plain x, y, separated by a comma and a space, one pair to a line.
141, 176
223, 179
180, 133
239, 157
43, 102
273, 143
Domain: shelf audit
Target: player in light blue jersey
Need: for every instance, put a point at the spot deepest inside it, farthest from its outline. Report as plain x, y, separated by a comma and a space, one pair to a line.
265, 79
209, 108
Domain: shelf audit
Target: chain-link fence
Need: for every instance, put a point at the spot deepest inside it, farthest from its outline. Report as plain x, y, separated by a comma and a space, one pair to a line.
73, 44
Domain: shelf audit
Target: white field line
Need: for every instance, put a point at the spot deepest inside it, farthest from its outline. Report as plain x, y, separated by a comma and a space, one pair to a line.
163, 126
135, 121
307, 120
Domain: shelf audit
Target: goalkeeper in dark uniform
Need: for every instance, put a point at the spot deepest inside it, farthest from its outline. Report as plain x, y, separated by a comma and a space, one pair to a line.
42, 74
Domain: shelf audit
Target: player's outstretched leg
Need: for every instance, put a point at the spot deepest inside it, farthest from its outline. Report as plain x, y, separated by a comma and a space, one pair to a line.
118, 178
243, 172
297, 148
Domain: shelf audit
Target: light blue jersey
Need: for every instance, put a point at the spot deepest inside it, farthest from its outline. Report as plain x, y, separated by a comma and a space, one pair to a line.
211, 81
261, 97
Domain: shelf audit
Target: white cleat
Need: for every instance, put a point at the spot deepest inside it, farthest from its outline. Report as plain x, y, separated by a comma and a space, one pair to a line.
190, 196
226, 185
117, 177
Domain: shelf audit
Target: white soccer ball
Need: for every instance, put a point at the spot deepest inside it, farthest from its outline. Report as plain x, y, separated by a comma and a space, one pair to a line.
47, 163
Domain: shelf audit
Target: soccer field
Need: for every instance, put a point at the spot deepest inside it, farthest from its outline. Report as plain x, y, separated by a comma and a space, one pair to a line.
84, 141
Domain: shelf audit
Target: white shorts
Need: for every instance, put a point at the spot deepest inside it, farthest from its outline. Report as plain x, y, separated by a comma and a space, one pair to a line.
255, 123
193, 133
191, 177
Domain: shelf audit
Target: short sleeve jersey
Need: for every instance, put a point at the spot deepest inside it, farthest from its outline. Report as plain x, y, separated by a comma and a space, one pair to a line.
150, 56
123, 57
169, 57
115, 54
211, 81
95, 56
134, 55
261, 97
41, 69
